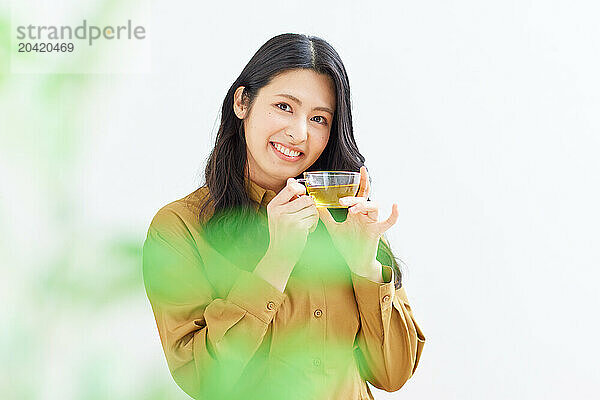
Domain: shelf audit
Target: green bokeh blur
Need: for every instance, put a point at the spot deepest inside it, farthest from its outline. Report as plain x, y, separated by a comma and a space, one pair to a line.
74, 315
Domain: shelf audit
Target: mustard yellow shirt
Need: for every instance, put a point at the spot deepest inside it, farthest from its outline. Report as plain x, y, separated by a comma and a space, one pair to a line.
229, 334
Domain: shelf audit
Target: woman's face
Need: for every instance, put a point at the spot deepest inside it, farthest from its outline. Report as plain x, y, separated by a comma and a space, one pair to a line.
293, 115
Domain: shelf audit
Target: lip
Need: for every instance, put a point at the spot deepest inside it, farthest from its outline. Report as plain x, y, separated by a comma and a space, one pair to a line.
283, 156
289, 147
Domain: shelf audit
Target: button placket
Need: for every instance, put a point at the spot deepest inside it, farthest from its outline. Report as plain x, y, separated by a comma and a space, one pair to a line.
270, 306
315, 347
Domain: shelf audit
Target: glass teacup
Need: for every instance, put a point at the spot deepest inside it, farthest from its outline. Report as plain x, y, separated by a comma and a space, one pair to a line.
328, 187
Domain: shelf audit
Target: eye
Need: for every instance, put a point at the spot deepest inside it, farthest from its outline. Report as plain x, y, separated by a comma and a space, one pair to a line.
323, 120
282, 104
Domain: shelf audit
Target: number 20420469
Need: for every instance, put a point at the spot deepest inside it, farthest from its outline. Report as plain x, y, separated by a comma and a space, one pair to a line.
46, 47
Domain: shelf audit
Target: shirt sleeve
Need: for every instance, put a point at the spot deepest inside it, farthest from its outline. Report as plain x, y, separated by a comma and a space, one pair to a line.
207, 341
389, 343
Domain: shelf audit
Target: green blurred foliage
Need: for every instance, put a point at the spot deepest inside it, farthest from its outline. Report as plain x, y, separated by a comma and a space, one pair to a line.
68, 292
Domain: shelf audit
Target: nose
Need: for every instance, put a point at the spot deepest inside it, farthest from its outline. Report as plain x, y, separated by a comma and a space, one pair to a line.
298, 130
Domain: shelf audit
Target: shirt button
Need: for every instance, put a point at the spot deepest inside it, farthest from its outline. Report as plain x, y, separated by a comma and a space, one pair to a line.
270, 305
316, 362
318, 313
386, 298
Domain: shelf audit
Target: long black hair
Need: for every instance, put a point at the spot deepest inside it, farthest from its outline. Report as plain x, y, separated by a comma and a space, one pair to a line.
226, 166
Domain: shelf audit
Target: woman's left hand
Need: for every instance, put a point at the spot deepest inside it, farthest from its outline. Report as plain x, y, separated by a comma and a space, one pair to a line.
357, 238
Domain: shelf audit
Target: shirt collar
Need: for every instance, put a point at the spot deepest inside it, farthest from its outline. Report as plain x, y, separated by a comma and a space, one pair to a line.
259, 195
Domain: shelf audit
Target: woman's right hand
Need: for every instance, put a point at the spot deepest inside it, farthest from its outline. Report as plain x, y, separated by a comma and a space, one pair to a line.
292, 215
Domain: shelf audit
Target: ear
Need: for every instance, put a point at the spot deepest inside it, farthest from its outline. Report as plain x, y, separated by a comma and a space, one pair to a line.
239, 106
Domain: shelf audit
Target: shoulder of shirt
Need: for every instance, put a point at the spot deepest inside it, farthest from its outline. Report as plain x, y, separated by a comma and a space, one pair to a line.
185, 210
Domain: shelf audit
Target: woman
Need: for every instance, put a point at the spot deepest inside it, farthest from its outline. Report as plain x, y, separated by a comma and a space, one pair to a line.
257, 293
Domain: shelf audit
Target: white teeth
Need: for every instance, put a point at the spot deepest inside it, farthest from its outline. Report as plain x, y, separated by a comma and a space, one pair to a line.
286, 151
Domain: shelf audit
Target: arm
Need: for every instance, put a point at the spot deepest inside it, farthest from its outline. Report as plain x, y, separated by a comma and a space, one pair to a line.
207, 341
389, 343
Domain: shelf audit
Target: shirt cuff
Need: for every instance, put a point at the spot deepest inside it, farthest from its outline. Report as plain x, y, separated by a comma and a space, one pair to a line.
365, 291
256, 296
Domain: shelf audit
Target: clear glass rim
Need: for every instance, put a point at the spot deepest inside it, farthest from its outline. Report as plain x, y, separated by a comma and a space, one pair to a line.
332, 172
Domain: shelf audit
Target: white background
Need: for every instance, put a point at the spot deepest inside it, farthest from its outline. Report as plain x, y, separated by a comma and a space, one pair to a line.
480, 119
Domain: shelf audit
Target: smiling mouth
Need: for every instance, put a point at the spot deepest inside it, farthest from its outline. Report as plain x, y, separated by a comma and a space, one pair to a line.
280, 151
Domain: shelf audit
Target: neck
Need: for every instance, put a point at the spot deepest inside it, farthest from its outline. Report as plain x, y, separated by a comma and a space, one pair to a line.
267, 182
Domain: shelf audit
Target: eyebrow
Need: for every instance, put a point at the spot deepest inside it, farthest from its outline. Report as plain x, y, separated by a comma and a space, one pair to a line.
297, 100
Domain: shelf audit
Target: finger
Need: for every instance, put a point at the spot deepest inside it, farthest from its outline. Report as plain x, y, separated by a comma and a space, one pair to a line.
298, 204
387, 224
369, 216
369, 208
326, 217
363, 182
314, 227
351, 200
368, 190
310, 211
311, 222
292, 188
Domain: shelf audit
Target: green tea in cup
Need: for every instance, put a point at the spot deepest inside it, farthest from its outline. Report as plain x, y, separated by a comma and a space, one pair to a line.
328, 187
